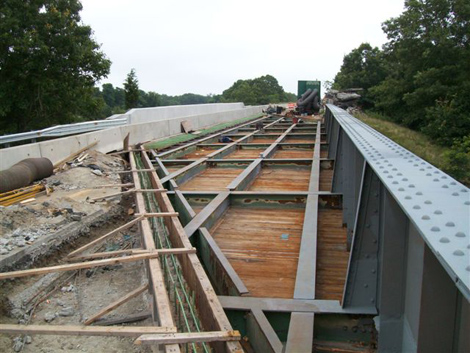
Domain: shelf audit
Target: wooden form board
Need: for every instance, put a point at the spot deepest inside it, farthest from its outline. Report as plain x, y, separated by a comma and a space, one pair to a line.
210, 310
160, 301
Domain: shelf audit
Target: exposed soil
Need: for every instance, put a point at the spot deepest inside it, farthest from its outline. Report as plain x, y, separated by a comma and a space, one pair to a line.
36, 223
69, 298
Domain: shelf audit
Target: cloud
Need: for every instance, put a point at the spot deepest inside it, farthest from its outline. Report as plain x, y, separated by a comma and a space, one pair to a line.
203, 47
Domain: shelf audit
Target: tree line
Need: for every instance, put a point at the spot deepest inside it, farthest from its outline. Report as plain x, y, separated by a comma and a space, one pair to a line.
421, 76
50, 66
258, 91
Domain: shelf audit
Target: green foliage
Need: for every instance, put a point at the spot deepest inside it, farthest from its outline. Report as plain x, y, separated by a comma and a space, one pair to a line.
241, 91
421, 79
363, 68
189, 98
454, 160
290, 97
428, 57
148, 99
258, 91
131, 90
459, 160
48, 64
449, 119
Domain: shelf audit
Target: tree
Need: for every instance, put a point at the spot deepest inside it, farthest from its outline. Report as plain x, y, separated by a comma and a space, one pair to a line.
327, 84
261, 90
131, 90
49, 64
240, 91
428, 58
364, 68
149, 99
109, 94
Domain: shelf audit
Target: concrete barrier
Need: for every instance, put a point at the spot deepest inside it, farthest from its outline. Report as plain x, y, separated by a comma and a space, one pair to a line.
165, 123
145, 115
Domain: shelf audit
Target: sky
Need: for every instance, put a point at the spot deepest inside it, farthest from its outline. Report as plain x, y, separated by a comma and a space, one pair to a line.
205, 46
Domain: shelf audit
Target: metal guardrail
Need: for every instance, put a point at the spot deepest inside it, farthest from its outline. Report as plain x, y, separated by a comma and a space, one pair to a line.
437, 204
64, 130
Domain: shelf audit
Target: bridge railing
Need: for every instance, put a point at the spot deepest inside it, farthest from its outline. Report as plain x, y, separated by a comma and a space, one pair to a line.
63, 130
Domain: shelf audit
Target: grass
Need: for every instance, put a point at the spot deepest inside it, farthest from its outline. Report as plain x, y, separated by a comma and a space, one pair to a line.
414, 141
186, 137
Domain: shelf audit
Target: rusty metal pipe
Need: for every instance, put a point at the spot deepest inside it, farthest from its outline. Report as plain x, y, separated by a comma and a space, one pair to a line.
24, 173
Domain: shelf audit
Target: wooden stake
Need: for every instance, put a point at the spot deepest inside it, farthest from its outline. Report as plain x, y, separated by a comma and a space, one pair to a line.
125, 331
117, 303
189, 337
100, 239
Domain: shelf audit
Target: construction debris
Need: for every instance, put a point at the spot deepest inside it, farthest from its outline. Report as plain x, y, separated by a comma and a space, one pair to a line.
344, 98
54, 204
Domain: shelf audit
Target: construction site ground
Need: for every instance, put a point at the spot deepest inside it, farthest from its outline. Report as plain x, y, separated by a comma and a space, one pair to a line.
42, 233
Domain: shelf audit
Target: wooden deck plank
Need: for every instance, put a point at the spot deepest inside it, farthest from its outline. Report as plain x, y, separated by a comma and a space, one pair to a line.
211, 179
299, 140
245, 153
326, 179
332, 255
293, 153
198, 153
281, 179
263, 140
251, 239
